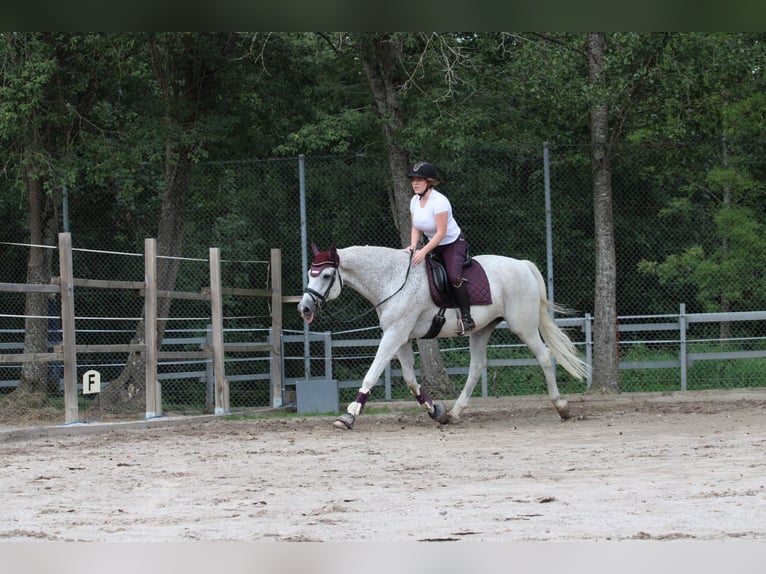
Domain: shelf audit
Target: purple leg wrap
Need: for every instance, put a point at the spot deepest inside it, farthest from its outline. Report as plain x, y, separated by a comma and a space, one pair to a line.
423, 398
361, 398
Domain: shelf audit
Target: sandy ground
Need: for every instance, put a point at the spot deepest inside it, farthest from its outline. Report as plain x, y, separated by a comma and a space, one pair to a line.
630, 467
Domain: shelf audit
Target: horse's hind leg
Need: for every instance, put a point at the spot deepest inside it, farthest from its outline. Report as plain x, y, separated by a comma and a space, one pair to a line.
543, 356
478, 344
406, 356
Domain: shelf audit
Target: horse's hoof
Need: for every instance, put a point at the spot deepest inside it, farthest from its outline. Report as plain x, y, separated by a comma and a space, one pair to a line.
440, 414
344, 422
562, 407
438, 411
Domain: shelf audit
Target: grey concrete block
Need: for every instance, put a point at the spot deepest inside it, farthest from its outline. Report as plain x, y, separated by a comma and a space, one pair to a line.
317, 396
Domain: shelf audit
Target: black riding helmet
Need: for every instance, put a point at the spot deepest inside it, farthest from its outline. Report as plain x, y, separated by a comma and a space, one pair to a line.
423, 169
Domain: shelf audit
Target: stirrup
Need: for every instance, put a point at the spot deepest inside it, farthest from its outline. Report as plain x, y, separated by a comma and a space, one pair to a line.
465, 325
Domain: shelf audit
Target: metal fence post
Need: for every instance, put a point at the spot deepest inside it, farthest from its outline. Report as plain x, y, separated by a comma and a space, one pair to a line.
548, 222
327, 336
589, 347
683, 325
304, 259
209, 369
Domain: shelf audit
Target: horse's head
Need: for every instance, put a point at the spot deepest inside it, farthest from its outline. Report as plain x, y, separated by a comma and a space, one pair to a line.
324, 282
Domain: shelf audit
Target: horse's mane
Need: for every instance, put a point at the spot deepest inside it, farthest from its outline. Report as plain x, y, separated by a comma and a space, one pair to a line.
380, 249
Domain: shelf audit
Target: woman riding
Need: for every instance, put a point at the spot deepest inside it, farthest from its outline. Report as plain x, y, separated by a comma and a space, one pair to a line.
431, 217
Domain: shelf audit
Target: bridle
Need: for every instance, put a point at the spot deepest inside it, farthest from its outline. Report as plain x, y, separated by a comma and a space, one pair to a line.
319, 299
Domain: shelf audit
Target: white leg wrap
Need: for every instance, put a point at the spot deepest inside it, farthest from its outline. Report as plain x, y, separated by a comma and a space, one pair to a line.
354, 408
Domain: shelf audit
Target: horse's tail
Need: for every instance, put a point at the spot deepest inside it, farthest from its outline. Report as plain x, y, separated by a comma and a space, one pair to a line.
558, 342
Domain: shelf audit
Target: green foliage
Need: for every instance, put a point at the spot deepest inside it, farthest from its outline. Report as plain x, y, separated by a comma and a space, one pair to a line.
709, 87
99, 113
734, 273
329, 133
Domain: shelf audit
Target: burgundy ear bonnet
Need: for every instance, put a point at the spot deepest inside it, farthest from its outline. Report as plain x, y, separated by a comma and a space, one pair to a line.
323, 259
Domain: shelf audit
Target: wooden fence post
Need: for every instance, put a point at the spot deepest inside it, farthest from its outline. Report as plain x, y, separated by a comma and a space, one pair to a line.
153, 389
222, 405
275, 369
71, 412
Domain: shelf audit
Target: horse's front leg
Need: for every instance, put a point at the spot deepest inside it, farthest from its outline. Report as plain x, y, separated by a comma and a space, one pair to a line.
478, 344
390, 343
406, 356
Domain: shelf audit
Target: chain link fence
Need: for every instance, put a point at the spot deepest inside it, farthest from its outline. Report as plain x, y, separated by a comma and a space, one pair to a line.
667, 216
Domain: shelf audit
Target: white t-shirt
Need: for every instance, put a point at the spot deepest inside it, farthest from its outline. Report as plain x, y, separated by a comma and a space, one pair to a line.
424, 220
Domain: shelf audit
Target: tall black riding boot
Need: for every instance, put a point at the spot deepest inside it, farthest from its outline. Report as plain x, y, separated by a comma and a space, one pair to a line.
465, 321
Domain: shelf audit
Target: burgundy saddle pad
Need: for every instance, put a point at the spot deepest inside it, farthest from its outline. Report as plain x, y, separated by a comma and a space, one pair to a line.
474, 275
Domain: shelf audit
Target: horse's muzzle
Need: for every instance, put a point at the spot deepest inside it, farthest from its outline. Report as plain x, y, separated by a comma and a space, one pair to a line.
307, 308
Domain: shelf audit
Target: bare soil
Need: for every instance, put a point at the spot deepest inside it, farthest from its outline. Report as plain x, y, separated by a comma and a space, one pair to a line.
634, 466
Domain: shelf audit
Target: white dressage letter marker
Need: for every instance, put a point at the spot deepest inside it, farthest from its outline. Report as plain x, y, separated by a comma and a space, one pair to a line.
91, 382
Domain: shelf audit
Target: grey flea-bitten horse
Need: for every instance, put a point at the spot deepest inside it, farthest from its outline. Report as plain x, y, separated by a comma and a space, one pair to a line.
403, 302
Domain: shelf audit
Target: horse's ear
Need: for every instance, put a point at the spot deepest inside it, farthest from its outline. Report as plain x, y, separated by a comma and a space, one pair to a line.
314, 248
333, 253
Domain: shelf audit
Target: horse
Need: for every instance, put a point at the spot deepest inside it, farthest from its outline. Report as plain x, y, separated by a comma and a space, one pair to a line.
518, 296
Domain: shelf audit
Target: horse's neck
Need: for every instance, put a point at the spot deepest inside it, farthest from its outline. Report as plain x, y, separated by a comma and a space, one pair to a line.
372, 272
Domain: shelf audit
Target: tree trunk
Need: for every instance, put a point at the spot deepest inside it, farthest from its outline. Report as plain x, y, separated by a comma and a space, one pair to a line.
605, 354
381, 56
32, 391
127, 393
42, 231
185, 83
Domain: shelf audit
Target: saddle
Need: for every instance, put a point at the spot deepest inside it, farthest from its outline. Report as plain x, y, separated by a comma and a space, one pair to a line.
441, 293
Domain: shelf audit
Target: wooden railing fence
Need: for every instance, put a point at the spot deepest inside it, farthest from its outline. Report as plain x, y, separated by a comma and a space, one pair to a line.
67, 352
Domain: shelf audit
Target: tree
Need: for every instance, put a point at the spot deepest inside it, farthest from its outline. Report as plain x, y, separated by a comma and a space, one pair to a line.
382, 56
184, 80
713, 90
632, 62
605, 359
50, 82
200, 96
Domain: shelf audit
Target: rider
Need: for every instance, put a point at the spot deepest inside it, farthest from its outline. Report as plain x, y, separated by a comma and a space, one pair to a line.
431, 216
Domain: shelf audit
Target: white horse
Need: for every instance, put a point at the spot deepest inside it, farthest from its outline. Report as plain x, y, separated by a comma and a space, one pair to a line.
518, 296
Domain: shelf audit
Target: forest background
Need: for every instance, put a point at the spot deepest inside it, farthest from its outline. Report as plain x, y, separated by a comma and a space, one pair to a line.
655, 140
